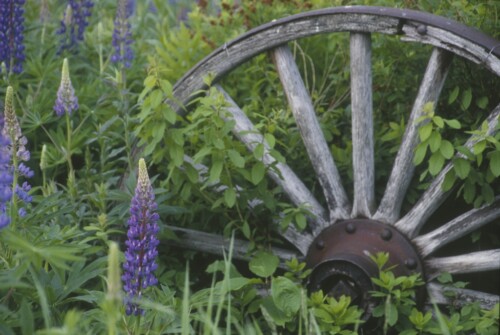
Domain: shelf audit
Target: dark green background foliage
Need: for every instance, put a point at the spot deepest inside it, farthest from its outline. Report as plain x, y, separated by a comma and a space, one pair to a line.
53, 261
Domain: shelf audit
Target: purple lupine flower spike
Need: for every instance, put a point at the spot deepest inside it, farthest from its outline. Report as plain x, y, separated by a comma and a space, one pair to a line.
5, 179
11, 34
122, 37
66, 101
18, 152
140, 257
75, 20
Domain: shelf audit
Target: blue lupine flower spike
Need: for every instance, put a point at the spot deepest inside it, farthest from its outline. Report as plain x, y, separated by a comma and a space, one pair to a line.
18, 153
66, 101
11, 34
75, 20
5, 180
140, 257
122, 37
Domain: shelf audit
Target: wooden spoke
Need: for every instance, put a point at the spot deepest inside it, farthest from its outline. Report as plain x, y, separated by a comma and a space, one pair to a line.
218, 245
457, 228
441, 294
434, 196
281, 173
362, 125
469, 263
312, 135
402, 171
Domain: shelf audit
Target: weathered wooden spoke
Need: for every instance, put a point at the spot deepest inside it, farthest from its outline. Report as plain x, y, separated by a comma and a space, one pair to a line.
281, 173
362, 126
312, 135
402, 171
442, 294
341, 232
434, 196
473, 262
218, 245
458, 227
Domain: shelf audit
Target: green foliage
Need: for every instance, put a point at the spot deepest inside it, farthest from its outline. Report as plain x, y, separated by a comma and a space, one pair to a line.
59, 266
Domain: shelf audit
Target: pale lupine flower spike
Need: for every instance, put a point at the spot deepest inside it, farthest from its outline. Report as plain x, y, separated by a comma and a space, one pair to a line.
140, 257
66, 101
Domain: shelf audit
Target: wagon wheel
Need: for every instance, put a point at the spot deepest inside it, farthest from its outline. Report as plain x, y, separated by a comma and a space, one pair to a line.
338, 237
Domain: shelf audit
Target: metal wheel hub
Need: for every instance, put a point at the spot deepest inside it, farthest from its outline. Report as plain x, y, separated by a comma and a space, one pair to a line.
340, 259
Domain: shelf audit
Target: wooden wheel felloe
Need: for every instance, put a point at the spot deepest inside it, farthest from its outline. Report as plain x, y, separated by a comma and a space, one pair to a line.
373, 221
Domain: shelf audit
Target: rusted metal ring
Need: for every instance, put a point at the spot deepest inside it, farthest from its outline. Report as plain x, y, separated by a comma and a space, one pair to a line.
343, 265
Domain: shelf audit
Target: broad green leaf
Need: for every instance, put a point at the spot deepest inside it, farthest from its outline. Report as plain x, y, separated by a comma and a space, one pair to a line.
166, 86
300, 219
155, 98
150, 81
449, 180
435, 141
487, 193
230, 197
272, 314
466, 99
258, 151
436, 163
469, 192
455, 124
236, 158
215, 171
438, 121
453, 95
264, 264
420, 154
286, 295
479, 147
461, 167
482, 102
391, 313
258, 172
169, 115
245, 228
447, 149
425, 131
270, 139
495, 163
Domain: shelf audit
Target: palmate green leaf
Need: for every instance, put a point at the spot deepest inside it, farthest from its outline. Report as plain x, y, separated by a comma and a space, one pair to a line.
26, 318
36, 251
